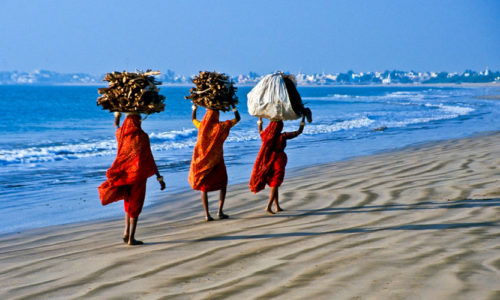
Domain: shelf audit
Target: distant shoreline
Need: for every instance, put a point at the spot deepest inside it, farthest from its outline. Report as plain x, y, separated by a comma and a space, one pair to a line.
467, 84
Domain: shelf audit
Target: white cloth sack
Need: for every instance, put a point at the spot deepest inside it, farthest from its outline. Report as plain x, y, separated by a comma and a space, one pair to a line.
269, 99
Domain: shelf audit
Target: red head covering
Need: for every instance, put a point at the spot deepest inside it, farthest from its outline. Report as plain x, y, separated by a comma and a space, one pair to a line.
266, 156
208, 151
134, 161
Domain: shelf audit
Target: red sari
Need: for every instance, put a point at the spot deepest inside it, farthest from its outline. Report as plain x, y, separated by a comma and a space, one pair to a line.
208, 171
269, 167
133, 165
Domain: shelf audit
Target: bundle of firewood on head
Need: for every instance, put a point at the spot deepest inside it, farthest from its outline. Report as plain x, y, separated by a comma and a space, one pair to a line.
132, 92
214, 91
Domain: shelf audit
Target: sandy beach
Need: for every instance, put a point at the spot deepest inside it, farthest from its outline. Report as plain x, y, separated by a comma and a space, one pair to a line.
420, 223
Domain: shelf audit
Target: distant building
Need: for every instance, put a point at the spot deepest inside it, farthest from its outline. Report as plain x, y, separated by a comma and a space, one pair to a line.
387, 80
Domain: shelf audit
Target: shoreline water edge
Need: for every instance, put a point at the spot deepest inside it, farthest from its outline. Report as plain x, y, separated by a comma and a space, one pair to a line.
164, 200
65, 151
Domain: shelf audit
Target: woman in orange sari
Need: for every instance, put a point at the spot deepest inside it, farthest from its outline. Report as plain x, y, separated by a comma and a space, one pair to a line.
208, 171
269, 167
128, 174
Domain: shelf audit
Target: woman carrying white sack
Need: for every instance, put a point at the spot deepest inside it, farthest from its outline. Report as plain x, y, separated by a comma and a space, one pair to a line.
276, 98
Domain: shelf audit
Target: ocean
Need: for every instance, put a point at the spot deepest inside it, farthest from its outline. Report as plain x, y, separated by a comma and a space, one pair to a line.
56, 144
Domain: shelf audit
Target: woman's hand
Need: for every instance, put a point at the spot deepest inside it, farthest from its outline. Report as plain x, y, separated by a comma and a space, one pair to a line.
259, 125
194, 107
236, 114
160, 180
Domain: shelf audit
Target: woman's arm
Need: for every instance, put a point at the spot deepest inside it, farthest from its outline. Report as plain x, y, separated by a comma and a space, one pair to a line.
259, 125
237, 117
193, 114
294, 134
117, 119
155, 167
160, 180
196, 123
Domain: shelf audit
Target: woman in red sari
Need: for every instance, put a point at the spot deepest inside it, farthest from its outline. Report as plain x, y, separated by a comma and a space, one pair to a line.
269, 167
208, 171
128, 174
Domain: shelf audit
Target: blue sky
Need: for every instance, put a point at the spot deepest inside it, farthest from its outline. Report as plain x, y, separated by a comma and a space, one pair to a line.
97, 36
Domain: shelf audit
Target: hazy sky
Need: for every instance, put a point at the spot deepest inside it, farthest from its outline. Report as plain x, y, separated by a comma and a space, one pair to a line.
234, 37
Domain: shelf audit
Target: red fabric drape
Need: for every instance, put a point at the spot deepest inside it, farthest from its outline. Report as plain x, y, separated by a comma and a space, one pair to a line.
134, 199
271, 141
207, 171
134, 162
276, 173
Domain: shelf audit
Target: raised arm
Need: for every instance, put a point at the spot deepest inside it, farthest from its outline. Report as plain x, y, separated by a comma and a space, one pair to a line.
196, 123
237, 117
193, 114
259, 125
117, 119
294, 134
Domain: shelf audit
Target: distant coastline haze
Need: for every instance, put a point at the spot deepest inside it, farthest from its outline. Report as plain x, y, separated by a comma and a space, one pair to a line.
170, 77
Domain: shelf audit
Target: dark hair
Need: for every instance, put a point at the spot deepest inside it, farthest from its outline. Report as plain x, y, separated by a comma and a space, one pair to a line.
293, 94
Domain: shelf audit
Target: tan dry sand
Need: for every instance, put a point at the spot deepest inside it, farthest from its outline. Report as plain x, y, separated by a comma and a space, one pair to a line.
422, 223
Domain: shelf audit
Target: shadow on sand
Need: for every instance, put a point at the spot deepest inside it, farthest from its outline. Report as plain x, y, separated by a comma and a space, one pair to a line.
460, 204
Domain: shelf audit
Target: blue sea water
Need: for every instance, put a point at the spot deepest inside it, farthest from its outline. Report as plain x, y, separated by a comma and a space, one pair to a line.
56, 144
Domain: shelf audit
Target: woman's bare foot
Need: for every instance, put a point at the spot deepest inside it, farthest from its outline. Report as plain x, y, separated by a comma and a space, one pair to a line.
208, 219
125, 239
222, 216
279, 209
134, 242
269, 211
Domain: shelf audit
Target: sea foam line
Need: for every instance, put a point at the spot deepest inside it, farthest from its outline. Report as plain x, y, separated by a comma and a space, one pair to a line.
177, 139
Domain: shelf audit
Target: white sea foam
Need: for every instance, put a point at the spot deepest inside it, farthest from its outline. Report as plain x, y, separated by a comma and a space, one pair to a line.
411, 121
173, 135
176, 139
393, 95
331, 97
452, 110
448, 112
57, 152
338, 126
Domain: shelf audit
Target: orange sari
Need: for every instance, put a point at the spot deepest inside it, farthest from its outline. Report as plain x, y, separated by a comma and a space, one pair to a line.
208, 171
133, 165
271, 161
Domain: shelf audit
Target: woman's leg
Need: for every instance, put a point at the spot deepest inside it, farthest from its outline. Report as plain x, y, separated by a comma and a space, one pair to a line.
133, 225
276, 197
222, 198
272, 195
127, 228
204, 202
135, 202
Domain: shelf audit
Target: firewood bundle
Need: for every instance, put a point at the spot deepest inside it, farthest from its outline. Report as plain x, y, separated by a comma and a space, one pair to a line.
214, 91
131, 92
